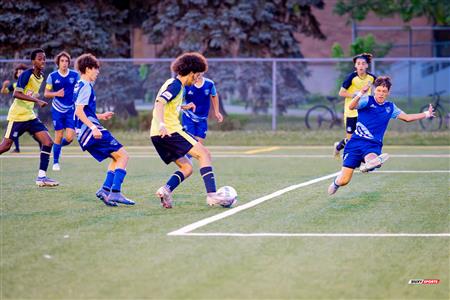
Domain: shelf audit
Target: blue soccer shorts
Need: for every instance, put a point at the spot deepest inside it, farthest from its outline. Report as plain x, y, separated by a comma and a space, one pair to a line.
198, 129
356, 149
63, 120
100, 149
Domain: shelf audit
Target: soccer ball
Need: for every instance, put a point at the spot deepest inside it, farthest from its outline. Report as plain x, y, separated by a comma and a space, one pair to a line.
229, 193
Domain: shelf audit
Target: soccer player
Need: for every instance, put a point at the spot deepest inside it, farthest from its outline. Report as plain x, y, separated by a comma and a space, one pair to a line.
9, 87
94, 138
21, 117
354, 82
201, 93
60, 85
168, 137
374, 114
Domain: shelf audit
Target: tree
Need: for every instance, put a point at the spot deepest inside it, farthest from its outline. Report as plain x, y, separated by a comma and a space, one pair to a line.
437, 11
233, 28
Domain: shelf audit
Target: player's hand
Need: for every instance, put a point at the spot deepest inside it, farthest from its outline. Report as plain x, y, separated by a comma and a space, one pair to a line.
188, 106
106, 115
42, 103
6, 82
430, 112
163, 131
96, 133
60, 93
219, 117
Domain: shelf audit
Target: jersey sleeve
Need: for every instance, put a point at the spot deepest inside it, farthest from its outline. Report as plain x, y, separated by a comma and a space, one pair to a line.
170, 92
23, 80
348, 81
363, 102
396, 111
83, 95
49, 83
213, 90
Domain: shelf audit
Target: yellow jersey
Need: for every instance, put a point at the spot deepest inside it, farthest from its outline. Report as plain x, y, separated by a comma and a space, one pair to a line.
171, 94
353, 84
29, 84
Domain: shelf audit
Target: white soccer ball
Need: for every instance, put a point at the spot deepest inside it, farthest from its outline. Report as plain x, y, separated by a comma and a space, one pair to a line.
229, 193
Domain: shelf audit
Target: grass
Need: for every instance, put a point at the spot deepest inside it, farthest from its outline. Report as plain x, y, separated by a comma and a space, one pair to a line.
94, 251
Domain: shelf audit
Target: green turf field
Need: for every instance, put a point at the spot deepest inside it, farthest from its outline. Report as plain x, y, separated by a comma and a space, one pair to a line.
63, 243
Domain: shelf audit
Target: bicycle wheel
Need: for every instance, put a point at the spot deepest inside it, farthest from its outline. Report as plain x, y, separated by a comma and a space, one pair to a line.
319, 117
431, 124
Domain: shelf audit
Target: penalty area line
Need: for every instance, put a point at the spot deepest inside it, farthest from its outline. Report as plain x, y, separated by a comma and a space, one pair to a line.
201, 223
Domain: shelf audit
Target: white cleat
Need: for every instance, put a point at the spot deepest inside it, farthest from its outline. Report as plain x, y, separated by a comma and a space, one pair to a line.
374, 163
56, 167
166, 196
332, 189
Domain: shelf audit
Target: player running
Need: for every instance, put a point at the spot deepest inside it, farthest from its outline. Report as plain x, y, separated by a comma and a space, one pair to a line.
96, 139
354, 82
21, 117
60, 85
170, 140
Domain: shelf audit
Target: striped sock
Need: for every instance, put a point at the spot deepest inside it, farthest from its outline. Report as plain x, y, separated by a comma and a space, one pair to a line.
175, 180
208, 178
45, 157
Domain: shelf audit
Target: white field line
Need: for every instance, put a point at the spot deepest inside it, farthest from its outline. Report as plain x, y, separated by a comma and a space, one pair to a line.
145, 155
186, 230
250, 204
318, 234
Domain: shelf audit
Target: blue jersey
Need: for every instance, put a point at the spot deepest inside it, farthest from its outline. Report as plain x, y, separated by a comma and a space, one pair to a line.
373, 119
55, 82
201, 97
83, 94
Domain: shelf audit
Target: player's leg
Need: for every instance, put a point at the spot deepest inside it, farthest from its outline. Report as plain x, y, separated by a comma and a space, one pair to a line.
184, 171
57, 148
373, 161
120, 162
350, 126
70, 135
202, 154
46, 147
16, 145
12, 129
342, 179
103, 192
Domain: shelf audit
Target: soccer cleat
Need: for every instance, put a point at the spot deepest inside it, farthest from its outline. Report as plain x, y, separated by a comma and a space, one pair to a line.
15, 151
166, 196
213, 199
119, 198
336, 152
103, 195
56, 167
45, 181
332, 189
374, 163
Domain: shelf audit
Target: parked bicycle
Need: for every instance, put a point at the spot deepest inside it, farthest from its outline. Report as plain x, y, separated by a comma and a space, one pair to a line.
322, 116
441, 114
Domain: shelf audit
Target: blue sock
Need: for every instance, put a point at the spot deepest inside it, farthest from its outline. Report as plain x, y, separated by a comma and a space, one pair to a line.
119, 176
208, 178
16, 144
108, 181
64, 142
56, 152
175, 180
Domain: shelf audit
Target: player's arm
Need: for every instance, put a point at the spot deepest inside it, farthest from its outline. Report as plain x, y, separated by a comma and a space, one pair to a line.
49, 93
354, 104
216, 107
81, 101
19, 90
344, 93
414, 117
105, 116
159, 115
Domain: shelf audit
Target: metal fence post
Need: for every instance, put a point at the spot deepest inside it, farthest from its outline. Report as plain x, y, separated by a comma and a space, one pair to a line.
274, 95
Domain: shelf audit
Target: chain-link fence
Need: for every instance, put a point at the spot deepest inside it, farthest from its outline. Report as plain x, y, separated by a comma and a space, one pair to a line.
251, 88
